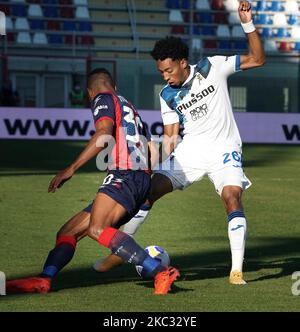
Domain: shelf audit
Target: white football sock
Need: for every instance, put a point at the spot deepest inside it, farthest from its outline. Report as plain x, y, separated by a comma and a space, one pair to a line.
133, 225
237, 228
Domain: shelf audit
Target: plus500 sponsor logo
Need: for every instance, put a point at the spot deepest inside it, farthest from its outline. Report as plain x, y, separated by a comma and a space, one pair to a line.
195, 98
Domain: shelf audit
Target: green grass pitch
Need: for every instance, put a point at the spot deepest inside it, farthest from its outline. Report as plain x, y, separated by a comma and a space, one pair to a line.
190, 225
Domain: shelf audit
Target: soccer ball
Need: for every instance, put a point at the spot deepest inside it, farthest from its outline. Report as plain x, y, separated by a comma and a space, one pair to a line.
158, 253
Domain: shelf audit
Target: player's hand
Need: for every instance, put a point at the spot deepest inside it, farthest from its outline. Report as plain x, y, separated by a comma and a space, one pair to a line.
60, 179
245, 11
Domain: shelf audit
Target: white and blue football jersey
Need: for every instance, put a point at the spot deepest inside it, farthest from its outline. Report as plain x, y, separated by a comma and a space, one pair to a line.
202, 104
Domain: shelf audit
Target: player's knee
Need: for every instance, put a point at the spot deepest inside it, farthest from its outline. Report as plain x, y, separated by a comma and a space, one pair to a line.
94, 232
160, 185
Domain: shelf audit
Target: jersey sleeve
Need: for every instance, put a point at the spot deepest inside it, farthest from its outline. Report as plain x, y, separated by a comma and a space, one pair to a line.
226, 65
104, 108
168, 115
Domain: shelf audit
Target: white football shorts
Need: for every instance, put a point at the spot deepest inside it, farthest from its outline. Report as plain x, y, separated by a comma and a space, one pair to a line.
223, 166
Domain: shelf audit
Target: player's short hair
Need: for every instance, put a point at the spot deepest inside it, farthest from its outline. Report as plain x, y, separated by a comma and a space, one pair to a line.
170, 47
99, 72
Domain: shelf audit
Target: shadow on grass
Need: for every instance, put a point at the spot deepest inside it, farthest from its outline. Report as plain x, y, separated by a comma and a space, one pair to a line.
265, 259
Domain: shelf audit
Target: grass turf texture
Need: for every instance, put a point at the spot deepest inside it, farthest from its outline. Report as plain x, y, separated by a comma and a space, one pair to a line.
190, 225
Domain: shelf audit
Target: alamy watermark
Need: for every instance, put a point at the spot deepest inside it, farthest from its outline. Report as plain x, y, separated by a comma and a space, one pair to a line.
2, 24
296, 285
2, 283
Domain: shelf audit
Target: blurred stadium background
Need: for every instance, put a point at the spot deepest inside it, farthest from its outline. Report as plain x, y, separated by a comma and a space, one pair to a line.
48, 46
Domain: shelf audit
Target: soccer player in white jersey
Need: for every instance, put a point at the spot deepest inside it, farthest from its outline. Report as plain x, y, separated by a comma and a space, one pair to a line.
196, 96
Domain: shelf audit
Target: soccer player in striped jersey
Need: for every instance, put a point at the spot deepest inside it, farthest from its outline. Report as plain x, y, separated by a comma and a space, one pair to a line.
196, 97
120, 132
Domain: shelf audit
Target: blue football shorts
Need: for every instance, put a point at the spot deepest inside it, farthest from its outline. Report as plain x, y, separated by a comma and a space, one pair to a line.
128, 188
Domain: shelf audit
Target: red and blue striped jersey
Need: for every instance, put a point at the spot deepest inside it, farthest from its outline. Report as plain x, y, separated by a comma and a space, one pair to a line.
130, 151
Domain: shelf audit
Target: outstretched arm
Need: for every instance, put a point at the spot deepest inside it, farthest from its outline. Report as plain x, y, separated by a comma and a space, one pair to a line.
256, 55
94, 146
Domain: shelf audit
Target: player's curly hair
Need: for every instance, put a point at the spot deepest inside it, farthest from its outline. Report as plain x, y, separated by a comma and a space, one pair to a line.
170, 47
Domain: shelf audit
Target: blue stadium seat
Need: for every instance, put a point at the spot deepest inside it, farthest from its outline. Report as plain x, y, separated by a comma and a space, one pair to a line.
36, 24
225, 44
281, 33
55, 39
261, 5
19, 10
208, 31
293, 20
276, 6
205, 18
267, 32
173, 4
50, 11
240, 45
49, 2
297, 46
85, 26
185, 4
69, 26
263, 19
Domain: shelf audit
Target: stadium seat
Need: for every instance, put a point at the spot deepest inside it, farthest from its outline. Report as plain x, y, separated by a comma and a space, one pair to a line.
231, 5
276, 6
291, 7
210, 44
234, 18
9, 23
237, 32
66, 12
53, 25
49, 2
270, 45
217, 5
279, 20
23, 38
40, 38
55, 39
296, 46
69, 26
295, 32
84, 26
285, 47
196, 30
202, 4
173, 4
293, 19
21, 23
208, 31
261, 5
266, 32
223, 31
185, 4
196, 44
175, 16
177, 30
205, 17
82, 12
240, 45
35, 10
36, 24
18, 10
263, 19
80, 2
50, 11
65, 2
87, 40
224, 44
281, 33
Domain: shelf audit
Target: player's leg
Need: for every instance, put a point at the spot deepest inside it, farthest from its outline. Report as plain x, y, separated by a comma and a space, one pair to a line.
67, 237
230, 183
237, 229
108, 210
160, 186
